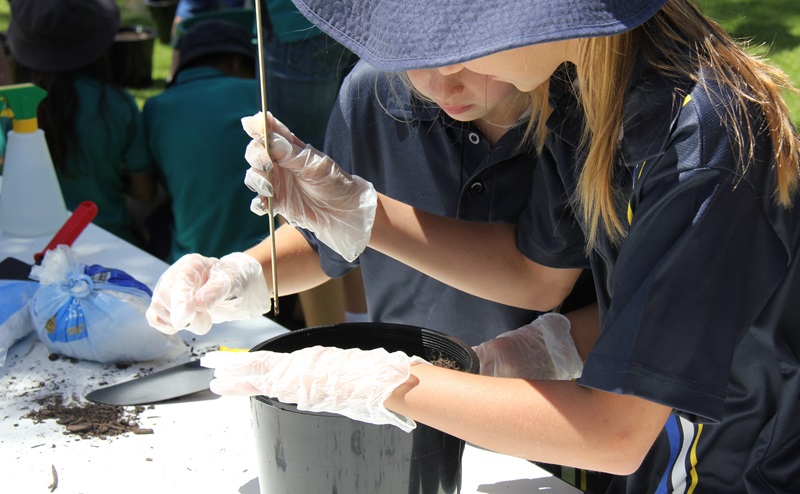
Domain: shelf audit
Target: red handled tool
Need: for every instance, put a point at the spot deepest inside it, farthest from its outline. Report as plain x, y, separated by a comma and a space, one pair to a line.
71, 229
12, 268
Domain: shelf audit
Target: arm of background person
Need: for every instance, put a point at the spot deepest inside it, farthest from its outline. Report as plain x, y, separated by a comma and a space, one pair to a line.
141, 186
297, 262
558, 422
479, 258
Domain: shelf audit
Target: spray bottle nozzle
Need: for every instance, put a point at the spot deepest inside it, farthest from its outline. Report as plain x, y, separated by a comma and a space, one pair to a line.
20, 102
5, 110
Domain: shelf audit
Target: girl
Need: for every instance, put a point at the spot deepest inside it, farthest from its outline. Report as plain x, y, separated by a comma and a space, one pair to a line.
472, 162
94, 129
671, 163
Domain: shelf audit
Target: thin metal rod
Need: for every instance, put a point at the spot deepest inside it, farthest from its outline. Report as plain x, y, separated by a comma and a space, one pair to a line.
263, 80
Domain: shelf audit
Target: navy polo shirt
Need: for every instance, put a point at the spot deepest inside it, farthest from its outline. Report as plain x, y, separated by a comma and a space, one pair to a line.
416, 154
698, 303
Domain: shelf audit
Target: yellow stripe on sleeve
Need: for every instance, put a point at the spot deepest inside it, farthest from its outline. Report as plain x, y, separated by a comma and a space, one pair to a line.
693, 459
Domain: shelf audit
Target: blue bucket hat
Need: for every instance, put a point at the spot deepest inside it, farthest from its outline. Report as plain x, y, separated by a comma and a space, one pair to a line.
415, 34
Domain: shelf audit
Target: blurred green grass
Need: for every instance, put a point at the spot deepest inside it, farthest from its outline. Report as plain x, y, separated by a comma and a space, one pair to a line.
772, 28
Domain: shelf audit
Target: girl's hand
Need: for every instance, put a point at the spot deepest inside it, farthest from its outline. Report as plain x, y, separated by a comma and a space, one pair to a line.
197, 291
352, 382
308, 188
543, 349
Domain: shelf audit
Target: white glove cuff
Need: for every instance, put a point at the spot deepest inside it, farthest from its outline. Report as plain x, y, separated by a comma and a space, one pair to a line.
352, 238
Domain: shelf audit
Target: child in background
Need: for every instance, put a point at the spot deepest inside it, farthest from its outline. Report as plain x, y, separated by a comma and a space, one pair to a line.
194, 134
187, 9
93, 128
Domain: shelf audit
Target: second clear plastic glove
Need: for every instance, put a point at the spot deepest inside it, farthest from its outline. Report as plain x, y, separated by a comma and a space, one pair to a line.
543, 349
308, 188
353, 382
197, 291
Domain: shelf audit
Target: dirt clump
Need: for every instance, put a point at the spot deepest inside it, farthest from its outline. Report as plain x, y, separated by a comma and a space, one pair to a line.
89, 420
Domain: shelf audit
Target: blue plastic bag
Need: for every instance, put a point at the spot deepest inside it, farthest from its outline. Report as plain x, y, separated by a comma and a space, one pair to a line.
15, 320
95, 313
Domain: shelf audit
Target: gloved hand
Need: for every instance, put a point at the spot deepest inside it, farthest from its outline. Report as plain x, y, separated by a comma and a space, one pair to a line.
353, 382
308, 188
197, 291
542, 349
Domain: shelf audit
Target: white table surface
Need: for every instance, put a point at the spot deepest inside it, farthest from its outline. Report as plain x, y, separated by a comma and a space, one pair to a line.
200, 445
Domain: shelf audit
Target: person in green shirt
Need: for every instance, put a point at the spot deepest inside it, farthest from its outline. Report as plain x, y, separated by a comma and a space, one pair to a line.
94, 129
195, 136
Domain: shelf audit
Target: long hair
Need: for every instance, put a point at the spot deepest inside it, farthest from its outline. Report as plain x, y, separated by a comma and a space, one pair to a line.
676, 41
58, 111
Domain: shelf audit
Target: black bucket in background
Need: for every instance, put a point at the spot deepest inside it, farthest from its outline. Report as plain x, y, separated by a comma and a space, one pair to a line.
308, 452
131, 56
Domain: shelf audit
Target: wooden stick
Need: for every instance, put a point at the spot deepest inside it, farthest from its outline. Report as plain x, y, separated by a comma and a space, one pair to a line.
263, 81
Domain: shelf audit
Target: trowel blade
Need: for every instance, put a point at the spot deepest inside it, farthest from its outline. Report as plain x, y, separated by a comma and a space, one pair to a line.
167, 384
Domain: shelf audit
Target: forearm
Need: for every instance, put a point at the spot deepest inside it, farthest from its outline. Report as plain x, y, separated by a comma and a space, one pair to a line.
552, 421
297, 262
478, 258
141, 186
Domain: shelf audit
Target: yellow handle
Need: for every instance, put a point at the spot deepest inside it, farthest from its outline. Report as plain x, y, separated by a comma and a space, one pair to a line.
229, 349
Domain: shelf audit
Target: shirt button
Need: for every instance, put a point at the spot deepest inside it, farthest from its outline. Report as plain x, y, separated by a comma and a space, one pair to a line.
476, 188
474, 138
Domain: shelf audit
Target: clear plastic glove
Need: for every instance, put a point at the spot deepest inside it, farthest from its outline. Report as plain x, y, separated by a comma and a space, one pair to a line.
543, 349
197, 291
308, 188
354, 383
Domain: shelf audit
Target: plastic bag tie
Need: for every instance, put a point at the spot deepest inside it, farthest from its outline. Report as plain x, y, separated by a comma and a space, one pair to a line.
80, 286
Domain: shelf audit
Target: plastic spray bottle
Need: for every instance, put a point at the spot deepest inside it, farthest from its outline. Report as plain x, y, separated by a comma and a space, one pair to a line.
31, 203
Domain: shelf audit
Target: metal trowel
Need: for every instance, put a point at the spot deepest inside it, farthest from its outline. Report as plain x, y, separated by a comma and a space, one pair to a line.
174, 382
168, 384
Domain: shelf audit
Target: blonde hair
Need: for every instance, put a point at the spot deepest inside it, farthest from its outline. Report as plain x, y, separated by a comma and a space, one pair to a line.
677, 41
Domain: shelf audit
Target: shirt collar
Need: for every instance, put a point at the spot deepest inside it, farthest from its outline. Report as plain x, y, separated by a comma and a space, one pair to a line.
196, 73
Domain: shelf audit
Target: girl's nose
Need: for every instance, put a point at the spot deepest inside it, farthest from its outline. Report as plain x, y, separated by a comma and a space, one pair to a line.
444, 86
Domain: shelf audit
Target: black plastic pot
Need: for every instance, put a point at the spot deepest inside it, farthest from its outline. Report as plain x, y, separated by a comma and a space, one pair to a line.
132, 56
163, 14
307, 452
